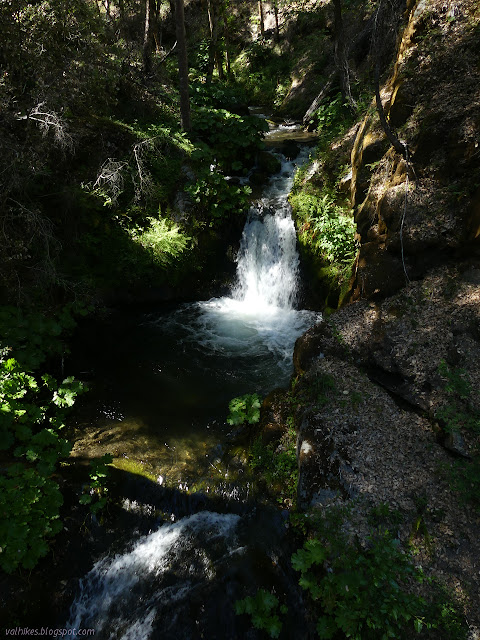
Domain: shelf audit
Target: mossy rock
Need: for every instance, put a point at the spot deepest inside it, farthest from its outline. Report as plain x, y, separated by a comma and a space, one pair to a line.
267, 163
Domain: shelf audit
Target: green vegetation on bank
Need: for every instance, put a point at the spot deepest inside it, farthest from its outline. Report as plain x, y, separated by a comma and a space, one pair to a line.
365, 589
32, 414
458, 418
34, 408
322, 213
359, 580
244, 409
263, 608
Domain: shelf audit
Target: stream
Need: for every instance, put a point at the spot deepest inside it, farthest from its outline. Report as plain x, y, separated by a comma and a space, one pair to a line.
162, 384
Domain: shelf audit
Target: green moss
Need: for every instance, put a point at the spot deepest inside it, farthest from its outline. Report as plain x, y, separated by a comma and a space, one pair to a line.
133, 466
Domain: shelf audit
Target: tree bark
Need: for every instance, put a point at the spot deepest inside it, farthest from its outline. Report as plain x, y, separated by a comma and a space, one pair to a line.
157, 29
277, 29
260, 15
341, 56
227, 43
148, 36
214, 55
182, 65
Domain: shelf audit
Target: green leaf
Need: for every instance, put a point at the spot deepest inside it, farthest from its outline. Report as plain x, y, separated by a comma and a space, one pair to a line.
326, 628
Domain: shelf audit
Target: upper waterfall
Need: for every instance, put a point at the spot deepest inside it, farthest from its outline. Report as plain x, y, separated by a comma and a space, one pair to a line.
268, 261
267, 268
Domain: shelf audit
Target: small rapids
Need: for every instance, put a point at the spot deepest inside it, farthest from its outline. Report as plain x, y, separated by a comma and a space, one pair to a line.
122, 596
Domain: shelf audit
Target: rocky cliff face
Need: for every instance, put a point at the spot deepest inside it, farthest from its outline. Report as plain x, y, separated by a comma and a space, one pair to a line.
427, 206
388, 414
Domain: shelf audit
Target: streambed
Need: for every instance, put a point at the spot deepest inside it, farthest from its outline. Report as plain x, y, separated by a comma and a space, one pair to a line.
162, 384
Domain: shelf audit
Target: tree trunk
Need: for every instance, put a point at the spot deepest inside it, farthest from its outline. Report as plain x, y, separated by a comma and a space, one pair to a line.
277, 29
260, 15
211, 47
182, 65
148, 36
341, 56
214, 55
227, 44
157, 29
121, 10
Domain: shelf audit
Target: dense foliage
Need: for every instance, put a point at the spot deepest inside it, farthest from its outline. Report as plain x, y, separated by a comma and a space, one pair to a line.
244, 409
263, 608
32, 414
366, 590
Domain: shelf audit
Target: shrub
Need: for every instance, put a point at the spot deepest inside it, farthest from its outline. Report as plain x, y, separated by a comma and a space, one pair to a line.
163, 240
234, 139
215, 197
31, 415
263, 610
94, 493
325, 227
244, 409
366, 590
361, 591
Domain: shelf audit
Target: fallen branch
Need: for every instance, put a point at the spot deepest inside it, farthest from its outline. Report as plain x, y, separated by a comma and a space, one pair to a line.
50, 120
320, 97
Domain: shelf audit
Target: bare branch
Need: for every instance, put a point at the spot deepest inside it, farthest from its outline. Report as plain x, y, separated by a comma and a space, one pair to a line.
144, 184
50, 121
110, 179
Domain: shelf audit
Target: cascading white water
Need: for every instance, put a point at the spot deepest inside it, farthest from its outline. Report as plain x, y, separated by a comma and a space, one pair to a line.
260, 316
202, 355
268, 263
121, 596
268, 260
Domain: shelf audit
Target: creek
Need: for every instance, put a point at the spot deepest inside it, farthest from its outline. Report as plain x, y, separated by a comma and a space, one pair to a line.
162, 384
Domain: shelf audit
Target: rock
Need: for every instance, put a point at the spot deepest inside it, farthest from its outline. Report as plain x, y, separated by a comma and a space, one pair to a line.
290, 149
306, 349
456, 444
346, 182
471, 275
378, 272
268, 163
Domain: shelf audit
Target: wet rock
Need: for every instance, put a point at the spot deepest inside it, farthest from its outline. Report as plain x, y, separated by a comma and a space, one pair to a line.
268, 163
307, 347
317, 463
258, 178
290, 149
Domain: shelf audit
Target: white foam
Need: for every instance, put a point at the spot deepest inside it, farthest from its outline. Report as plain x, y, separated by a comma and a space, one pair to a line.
108, 592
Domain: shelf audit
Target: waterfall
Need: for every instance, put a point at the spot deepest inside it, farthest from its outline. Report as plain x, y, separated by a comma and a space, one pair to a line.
188, 364
257, 324
267, 264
